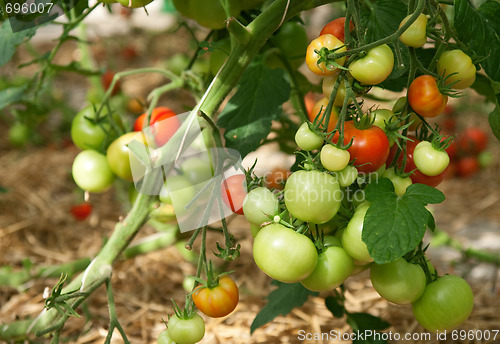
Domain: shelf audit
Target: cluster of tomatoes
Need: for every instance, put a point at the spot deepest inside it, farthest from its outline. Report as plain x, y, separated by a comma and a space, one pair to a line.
311, 231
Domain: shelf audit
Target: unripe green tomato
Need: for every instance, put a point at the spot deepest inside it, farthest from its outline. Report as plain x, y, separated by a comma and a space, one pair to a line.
19, 134
183, 7
219, 55
107, 1
429, 160
352, 240
211, 14
374, 67
381, 117
347, 176
259, 204
400, 282
197, 170
177, 63
119, 157
292, 40
85, 133
306, 139
134, 3
333, 158
400, 183
164, 337
456, 66
186, 331
91, 171
415, 35
188, 284
254, 229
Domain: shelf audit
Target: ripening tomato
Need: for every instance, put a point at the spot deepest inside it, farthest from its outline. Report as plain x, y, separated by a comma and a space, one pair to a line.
233, 190
456, 66
467, 166
369, 149
374, 67
163, 124
425, 98
318, 111
276, 178
337, 28
81, 211
329, 42
334, 158
415, 35
217, 301
472, 140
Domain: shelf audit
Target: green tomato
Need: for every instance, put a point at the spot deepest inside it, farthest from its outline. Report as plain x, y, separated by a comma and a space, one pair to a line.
85, 133
254, 229
19, 134
400, 282
334, 158
415, 35
429, 160
306, 139
374, 67
446, 303
211, 14
291, 39
197, 170
183, 7
347, 176
91, 171
456, 66
186, 331
312, 196
400, 183
119, 158
259, 204
284, 254
134, 3
352, 240
332, 269
381, 117
164, 337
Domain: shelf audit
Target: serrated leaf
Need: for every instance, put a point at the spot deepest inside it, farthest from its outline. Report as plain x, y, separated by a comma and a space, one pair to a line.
10, 40
475, 28
280, 302
247, 116
334, 306
364, 324
486, 87
393, 226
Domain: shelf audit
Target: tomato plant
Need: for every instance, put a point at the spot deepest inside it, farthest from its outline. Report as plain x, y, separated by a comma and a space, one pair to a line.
313, 56
217, 301
425, 98
445, 304
284, 254
328, 86
374, 67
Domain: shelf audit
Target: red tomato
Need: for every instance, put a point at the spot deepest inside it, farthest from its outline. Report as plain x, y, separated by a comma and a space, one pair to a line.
416, 176
370, 147
452, 150
310, 101
336, 27
276, 178
425, 98
472, 141
467, 166
218, 301
81, 211
162, 130
233, 190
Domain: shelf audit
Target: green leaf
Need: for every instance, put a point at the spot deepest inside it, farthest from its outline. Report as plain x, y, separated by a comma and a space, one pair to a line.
365, 325
247, 116
334, 305
494, 119
10, 40
393, 225
3, 189
478, 30
11, 95
280, 302
486, 87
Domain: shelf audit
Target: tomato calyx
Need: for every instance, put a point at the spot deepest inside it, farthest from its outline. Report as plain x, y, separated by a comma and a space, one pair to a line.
212, 280
329, 57
447, 88
188, 312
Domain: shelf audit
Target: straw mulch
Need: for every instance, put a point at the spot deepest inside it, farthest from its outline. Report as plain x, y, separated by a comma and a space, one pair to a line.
35, 224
